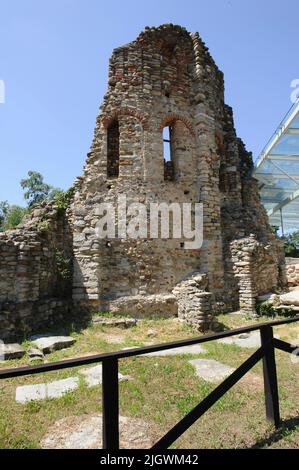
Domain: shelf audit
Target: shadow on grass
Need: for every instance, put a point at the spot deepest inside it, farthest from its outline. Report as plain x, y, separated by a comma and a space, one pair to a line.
284, 429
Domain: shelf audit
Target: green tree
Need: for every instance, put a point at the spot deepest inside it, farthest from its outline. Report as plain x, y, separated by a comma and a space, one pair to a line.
291, 244
4, 207
36, 190
14, 216
10, 216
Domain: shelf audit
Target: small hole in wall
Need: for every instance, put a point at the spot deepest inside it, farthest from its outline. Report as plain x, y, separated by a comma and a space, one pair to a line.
108, 186
182, 244
167, 94
186, 192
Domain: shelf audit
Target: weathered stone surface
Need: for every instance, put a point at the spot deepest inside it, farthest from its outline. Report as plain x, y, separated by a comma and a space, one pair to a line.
33, 352
118, 322
93, 375
287, 307
249, 340
194, 302
292, 271
85, 432
270, 298
291, 298
41, 391
211, 370
144, 306
11, 351
193, 349
48, 344
35, 355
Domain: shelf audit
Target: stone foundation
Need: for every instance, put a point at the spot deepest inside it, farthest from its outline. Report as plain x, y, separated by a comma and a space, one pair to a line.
20, 319
140, 306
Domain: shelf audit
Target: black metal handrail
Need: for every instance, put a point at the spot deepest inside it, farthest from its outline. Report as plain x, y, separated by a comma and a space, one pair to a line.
110, 390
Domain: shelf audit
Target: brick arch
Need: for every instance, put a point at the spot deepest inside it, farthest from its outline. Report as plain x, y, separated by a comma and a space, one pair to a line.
126, 111
170, 118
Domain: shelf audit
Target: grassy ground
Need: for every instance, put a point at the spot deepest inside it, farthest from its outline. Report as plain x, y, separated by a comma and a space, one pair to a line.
162, 391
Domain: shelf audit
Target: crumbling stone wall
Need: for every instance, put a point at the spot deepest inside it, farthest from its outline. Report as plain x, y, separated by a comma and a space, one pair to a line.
257, 267
164, 78
33, 290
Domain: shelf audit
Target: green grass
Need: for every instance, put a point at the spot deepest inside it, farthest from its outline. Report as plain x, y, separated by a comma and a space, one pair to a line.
162, 391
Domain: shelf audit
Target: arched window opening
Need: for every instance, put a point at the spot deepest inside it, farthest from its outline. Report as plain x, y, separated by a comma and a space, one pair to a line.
168, 154
113, 150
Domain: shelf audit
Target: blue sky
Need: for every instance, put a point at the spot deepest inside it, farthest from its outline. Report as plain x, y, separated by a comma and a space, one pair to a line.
54, 61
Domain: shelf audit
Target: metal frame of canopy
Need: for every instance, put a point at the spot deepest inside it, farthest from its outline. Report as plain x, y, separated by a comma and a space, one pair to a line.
277, 170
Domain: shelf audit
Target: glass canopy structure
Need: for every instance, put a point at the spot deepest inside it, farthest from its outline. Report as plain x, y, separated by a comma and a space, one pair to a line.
277, 170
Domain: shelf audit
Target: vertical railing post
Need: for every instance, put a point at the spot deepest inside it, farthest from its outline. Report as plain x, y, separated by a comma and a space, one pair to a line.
270, 376
110, 404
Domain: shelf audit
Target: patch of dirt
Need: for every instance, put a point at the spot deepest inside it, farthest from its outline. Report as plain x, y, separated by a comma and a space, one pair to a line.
288, 333
111, 337
85, 432
252, 381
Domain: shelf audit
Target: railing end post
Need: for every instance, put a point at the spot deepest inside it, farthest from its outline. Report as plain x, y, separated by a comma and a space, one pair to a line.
270, 376
110, 404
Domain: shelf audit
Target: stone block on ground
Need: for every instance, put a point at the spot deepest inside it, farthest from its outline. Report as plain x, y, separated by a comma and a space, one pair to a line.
247, 340
34, 352
93, 375
85, 432
48, 344
291, 298
144, 306
193, 349
41, 391
211, 370
287, 307
270, 298
118, 322
11, 351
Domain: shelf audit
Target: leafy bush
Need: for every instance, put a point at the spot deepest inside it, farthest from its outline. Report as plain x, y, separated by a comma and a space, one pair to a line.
291, 248
291, 242
265, 309
62, 199
63, 266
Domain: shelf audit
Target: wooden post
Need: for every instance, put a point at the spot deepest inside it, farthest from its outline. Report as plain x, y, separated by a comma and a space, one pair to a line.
110, 404
270, 376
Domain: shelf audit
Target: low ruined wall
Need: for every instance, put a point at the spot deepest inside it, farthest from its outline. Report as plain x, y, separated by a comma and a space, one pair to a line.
292, 271
258, 268
19, 319
143, 306
35, 272
194, 301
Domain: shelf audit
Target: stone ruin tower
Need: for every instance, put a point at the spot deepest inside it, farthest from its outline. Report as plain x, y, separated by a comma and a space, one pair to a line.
164, 81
